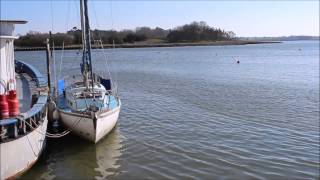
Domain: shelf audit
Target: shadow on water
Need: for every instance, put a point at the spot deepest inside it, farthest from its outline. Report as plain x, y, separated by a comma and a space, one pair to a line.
71, 157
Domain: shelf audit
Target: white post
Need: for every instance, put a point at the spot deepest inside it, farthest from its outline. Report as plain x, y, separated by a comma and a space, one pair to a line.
7, 67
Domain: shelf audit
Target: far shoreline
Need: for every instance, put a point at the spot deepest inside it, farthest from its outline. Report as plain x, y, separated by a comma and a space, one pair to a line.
147, 45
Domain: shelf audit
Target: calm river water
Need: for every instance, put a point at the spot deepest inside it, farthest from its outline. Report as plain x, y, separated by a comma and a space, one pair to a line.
194, 113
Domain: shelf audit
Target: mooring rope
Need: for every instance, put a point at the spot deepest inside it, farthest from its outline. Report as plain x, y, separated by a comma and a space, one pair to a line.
3, 133
50, 135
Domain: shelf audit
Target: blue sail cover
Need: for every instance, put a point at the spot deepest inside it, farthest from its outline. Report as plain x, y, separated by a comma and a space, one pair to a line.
60, 86
106, 83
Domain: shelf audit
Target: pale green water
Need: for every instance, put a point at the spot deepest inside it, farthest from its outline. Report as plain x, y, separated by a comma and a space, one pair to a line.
193, 113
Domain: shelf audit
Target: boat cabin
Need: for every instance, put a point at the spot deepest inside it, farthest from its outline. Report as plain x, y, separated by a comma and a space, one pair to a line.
79, 98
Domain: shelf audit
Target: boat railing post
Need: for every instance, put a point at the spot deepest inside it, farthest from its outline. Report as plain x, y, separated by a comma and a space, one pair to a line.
48, 67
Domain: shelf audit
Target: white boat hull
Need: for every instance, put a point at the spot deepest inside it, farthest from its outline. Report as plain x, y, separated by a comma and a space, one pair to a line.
18, 155
91, 128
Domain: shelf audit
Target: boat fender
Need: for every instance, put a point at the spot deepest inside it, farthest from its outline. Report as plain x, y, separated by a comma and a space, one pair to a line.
55, 114
52, 114
13, 103
4, 107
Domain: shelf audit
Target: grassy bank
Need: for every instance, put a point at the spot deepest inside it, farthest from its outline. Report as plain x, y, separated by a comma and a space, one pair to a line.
153, 43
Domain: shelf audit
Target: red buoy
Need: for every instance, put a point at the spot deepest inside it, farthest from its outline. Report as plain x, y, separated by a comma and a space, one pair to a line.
4, 107
13, 103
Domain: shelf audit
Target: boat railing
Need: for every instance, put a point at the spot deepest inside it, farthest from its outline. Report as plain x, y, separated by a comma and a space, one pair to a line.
26, 122
113, 92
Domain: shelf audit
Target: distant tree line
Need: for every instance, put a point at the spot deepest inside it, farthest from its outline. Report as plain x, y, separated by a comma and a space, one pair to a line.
281, 38
196, 31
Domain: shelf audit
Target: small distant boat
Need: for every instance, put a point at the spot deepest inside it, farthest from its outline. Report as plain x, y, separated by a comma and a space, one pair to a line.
89, 107
22, 135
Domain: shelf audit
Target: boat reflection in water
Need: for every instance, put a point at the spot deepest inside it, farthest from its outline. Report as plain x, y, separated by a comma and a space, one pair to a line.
108, 153
74, 158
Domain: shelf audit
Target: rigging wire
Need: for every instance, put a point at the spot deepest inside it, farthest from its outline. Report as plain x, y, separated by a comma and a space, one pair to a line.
68, 15
111, 14
113, 44
34, 152
53, 47
99, 34
77, 8
54, 65
60, 66
67, 27
51, 12
101, 43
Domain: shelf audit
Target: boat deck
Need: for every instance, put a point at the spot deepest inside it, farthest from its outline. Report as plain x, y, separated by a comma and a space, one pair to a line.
25, 85
29, 82
61, 103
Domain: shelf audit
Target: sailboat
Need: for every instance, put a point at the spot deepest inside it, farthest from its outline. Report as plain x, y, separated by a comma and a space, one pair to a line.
90, 107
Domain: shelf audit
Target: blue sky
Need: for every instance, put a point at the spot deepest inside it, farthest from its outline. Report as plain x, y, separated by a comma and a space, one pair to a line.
245, 18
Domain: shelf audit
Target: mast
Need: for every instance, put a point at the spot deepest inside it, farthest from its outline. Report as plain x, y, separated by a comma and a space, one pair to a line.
86, 65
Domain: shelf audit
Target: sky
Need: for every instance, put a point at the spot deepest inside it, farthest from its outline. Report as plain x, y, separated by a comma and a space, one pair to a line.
246, 18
